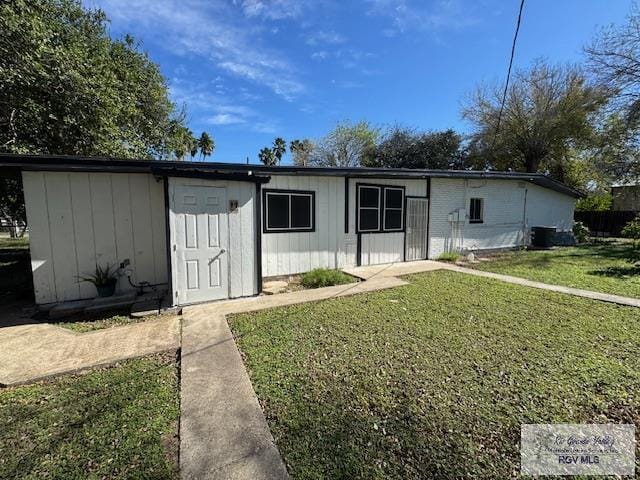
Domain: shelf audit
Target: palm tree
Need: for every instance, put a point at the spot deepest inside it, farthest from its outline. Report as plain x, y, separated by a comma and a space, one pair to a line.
267, 156
206, 144
192, 144
279, 148
301, 151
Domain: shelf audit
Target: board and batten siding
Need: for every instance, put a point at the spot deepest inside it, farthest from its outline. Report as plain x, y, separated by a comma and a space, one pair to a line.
379, 248
79, 220
287, 253
329, 246
507, 218
242, 233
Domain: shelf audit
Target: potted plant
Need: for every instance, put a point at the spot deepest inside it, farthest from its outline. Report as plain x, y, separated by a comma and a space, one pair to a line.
104, 279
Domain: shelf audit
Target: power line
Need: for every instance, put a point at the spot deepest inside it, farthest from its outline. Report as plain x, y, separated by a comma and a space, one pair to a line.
506, 85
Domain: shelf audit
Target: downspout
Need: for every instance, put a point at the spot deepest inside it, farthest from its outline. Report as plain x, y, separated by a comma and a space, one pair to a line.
524, 219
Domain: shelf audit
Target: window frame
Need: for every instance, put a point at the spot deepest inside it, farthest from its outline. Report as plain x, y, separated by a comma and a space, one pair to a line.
382, 208
289, 193
476, 220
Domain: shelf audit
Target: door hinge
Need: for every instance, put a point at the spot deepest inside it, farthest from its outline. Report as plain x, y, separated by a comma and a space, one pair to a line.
176, 293
174, 247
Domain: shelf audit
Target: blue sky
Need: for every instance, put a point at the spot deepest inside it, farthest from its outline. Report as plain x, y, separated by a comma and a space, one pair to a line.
250, 70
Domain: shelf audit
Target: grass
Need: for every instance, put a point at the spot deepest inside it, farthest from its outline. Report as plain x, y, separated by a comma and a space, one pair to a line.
8, 243
449, 257
324, 277
83, 324
434, 379
116, 422
600, 267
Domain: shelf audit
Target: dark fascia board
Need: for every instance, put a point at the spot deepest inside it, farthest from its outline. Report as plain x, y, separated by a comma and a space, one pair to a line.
172, 168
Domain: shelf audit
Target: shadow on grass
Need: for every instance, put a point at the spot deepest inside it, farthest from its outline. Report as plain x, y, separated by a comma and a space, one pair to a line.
74, 428
617, 272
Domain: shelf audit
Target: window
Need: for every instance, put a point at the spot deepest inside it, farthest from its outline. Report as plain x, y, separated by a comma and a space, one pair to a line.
476, 210
380, 209
289, 211
393, 204
368, 209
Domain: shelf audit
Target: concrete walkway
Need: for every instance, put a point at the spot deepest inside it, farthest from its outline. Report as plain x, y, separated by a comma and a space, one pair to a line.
399, 269
223, 432
603, 297
33, 352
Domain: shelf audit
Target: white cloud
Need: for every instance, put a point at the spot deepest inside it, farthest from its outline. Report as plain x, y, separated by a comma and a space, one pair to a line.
416, 15
325, 38
226, 119
273, 9
321, 55
210, 30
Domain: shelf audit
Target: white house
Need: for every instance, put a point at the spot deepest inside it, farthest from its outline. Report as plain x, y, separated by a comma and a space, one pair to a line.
211, 231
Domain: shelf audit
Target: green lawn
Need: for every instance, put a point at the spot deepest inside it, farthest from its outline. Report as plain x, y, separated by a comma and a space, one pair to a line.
8, 243
598, 267
117, 422
434, 379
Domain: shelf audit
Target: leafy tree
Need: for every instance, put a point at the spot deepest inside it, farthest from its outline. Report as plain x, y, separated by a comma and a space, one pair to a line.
405, 148
632, 230
206, 145
267, 156
12, 204
548, 112
301, 151
614, 59
66, 87
347, 145
595, 202
279, 148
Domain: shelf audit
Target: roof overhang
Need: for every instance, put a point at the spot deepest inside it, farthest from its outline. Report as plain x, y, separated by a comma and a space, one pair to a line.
255, 173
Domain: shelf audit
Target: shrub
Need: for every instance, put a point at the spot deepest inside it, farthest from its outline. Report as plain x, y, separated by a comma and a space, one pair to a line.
449, 257
324, 277
581, 232
632, 229
594, 202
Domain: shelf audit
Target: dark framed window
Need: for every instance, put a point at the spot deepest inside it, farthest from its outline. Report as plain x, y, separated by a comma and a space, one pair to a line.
393, 209
476, 210
288, 211
379, 208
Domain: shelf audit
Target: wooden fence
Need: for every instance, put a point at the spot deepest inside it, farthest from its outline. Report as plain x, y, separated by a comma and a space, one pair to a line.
608, 223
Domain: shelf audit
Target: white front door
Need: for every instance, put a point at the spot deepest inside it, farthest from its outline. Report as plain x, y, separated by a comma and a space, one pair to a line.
201, 236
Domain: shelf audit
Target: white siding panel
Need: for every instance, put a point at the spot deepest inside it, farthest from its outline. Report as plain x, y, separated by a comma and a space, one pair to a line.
83, 221
35, 196
80, 220
506, 224
61, 228
328, 246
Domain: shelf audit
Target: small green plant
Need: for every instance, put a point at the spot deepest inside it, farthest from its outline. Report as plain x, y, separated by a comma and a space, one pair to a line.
104, 279
449, 257
324, 277
581, 232
632, 230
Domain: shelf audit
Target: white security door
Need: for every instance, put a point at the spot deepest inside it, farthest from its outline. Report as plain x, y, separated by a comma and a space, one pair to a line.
416, 235
201, 236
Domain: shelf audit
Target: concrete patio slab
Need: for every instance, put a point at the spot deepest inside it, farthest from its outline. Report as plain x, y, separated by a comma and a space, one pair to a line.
223, 432
34, 352
393, 269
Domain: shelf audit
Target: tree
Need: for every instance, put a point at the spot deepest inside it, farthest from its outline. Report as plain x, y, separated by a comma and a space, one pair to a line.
301, 151
346, 145
594, 202
548, 112
66, 87
614, 59
206, 144
267, 156
12, 204
405, 148
279, 148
